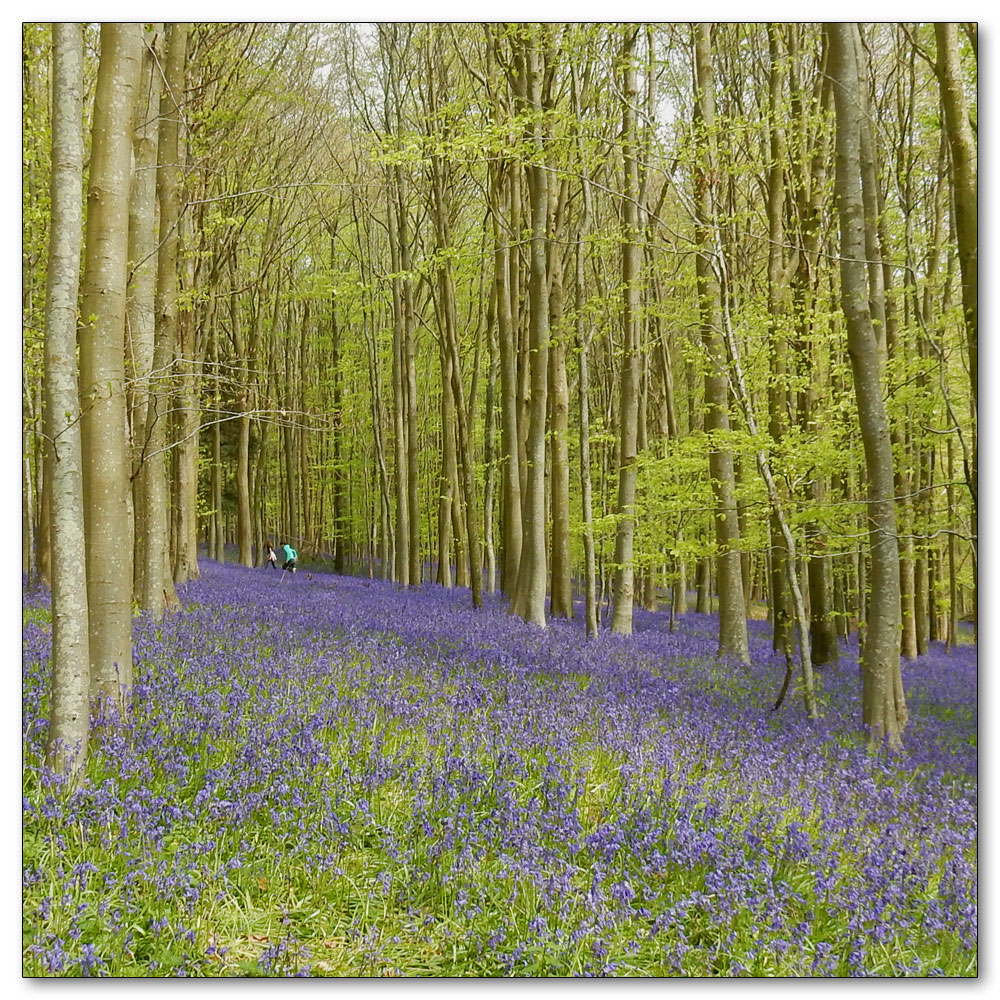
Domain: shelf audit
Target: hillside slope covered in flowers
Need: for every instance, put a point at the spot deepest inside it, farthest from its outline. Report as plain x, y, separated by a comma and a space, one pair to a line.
330, 776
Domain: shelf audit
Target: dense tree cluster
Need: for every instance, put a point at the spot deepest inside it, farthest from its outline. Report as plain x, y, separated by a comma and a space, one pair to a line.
577, 311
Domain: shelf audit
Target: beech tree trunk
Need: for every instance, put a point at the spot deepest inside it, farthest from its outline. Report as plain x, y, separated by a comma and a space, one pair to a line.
29, 435
140, 306
412, 440
883, 703
489, 452
510, 476
583, 338
529, 597
107, 464
69, 714
157, 579
447, 478
952, 639
561, 594
187, 416
777, 284
732, 621
401, 568
964, 154
244, 528
340, 541
624, 582
217, 526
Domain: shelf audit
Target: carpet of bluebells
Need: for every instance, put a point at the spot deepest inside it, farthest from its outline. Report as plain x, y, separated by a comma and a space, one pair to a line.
330, 776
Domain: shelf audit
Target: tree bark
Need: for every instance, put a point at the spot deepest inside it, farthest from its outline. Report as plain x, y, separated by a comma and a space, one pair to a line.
340, 542
884, 706
732, 621
952, 639
141, 313
777, 284
510, 477
489, 450
963, 146
624, 582
401, 568
187, 416
29, 435
471, 521
561, 593
158, 592
106, 462
457, 452
217, 526
529, 598
302, 430
583, 338
69, 715
244, 523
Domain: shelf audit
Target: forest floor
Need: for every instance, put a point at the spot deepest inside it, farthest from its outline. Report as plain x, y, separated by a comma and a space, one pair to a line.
326, 775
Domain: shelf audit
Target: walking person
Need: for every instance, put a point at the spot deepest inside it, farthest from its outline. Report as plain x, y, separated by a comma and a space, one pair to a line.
290, 556
272, 559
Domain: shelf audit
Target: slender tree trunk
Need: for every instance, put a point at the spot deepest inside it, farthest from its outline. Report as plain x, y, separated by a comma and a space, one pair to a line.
29, 433
933, 618
244, 521
471, 521
921, 574
368, 320
777, 284
412, 439
670, 431
69, 716
621, 619
741, 521
446, 479
884, 707
140, 305
583, 338
952, 574
529, 598
703, 587
510, 477
561, 600
732, 621
882, 303
290, 450
337, 430
217, 546
302, 431
407, 550
586, 488
43, 470
964, 154
455, 418
489, 451
260, 525
33, 442
157, 583
187, 416
106, 462
401, 571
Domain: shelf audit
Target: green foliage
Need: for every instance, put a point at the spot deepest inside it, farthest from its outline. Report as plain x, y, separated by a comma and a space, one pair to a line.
295, 137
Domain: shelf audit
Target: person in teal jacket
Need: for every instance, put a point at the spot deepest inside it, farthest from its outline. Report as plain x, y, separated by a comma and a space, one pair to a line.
290, 556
